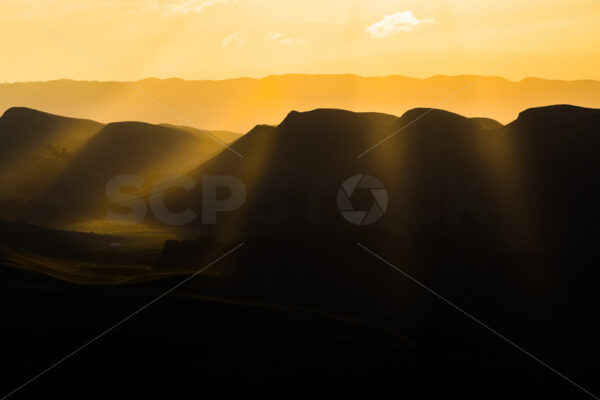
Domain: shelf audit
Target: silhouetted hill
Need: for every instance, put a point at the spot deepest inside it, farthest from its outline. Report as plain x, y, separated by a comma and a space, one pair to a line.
293, 171
127, 148
487, 123
55, 166
134, 146
25, 130
555, 149
286, 166
442, 171
35, 147
224, 136
501, 223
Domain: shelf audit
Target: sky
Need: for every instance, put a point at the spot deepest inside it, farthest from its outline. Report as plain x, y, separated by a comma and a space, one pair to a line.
218, 39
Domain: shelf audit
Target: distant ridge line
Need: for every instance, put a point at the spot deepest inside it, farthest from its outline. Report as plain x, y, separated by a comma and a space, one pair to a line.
301, 75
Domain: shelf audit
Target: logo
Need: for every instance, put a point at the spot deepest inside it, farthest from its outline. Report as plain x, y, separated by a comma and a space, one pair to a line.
354, 185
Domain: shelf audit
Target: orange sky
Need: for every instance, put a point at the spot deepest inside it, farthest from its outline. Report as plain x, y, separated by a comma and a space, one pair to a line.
217, 39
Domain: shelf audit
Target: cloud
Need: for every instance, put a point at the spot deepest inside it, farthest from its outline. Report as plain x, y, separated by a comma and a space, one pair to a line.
184, 7
390, 25
178, 7
280, 38
235, 38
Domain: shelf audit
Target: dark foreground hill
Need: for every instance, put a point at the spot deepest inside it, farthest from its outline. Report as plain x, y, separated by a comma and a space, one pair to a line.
308, 313
499, 224
530, 180
502, 222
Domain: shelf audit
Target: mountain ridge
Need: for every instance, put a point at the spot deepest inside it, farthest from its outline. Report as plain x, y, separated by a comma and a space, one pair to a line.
427, 162
241, 103
240, 78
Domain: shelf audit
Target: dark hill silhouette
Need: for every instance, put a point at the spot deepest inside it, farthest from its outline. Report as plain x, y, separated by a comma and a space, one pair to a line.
288, 165
25, 130
555, 150
133, 146
127, 148
441, 171
310, 154
460, 197
224, 136
35, 147
487, 123
54, 166
501, 222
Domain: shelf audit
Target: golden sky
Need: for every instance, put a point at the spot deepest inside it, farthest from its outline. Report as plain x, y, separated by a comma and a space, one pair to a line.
217, 39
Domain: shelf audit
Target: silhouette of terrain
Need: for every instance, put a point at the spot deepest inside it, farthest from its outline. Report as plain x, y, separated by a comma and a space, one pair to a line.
28, 131
38, 146
56, 166
131, 148
442, 172
499, 220
487, 123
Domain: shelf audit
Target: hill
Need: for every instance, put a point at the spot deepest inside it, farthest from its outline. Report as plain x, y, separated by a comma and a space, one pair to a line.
240, 104
441, 171
147, 151
55, 167
501, 223
35, 147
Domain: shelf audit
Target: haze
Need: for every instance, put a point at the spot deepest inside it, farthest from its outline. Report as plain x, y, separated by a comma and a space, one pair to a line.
219, 39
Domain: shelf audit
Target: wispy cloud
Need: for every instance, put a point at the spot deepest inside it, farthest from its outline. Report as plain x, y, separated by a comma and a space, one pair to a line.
184, 7
278, 37
235, 38
390, 25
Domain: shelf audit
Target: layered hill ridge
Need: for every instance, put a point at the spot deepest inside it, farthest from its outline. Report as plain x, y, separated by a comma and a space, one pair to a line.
239, 104
502, 222
36, 146
133, 146
442, 171
25, 130
439, 169
493, 219
65, 163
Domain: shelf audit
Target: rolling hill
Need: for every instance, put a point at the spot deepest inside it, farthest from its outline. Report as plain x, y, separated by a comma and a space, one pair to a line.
57, 167
127, 148
442, 171
500, 221
35, 147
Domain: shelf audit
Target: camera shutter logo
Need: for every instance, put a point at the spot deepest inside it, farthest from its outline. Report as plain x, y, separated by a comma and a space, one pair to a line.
362, 182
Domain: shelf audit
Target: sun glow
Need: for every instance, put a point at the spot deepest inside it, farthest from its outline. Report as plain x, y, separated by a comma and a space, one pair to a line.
217, 39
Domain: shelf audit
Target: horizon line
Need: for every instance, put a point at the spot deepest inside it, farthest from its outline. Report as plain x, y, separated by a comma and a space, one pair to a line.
294, 74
